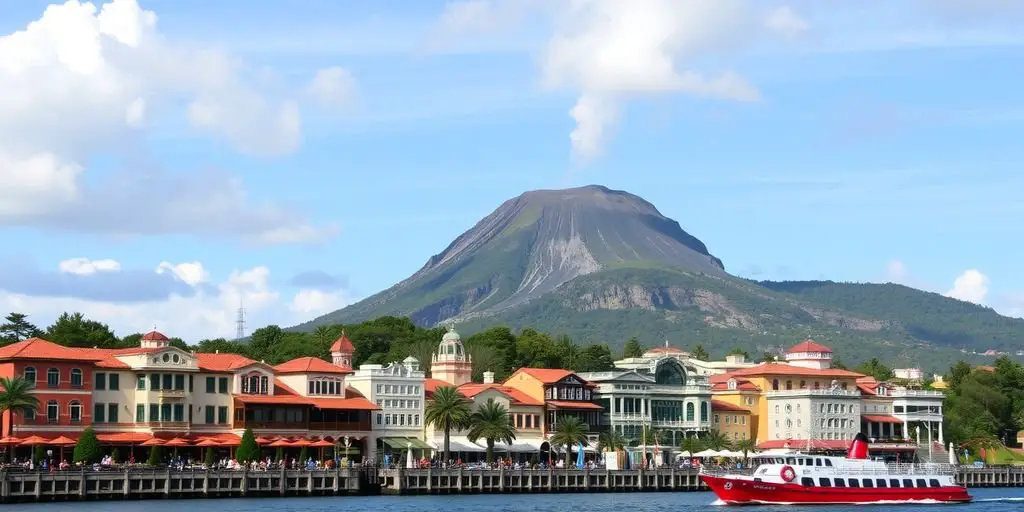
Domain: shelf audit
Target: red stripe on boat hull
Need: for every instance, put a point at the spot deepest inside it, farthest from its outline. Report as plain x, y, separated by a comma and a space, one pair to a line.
738, 491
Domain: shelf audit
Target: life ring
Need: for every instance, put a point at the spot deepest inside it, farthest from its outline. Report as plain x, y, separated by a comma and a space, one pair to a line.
787, 473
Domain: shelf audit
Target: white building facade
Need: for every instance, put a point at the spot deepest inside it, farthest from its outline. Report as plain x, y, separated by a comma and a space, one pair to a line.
398, 390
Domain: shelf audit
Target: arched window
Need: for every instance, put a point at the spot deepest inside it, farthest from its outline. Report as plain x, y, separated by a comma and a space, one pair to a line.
52, 377
52, 411
775, 384
76, 378
689, 411
30, 374
703, 411
670, 373
789, 385
255, 384
75, 409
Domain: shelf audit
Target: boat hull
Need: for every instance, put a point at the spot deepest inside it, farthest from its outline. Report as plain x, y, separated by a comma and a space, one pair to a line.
737, 491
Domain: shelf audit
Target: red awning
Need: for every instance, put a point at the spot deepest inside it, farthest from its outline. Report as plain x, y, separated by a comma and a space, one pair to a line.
882, 419
566, 404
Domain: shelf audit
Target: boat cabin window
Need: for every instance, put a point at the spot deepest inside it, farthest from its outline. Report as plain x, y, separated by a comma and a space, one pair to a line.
908, 483
921, 483
933, 483
880, 483
817, 462
854, 483
894, 483
809, 462
828, 462
868, 483
791, 461
839, 482
807, 482
824, 482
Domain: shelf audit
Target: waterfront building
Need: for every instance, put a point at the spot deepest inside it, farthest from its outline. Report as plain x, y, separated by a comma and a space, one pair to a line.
563, 394
525, 413
731, 362
398, 389
156, 390
731, 420
668, 395
451, 363
908, 374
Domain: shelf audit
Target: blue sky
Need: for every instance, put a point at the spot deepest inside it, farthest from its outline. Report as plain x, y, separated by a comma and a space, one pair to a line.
879, 142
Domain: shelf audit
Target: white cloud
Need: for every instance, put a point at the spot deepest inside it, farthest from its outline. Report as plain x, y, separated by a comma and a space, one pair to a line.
85, 266
612, 50
971, 286
896, 272
785, 21
333, 87
208, 311
85, 81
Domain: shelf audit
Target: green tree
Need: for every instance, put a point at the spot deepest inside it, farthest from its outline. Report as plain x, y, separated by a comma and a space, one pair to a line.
716, 440
16, 327
594, 358
74, 330
569, 431
838, 364
491, 423
303, 455
691, 444
632, 348
38, 453
746, 446
263, 340
87, 449
957, 373
155, 456
208, 456
700, 353
15, 396
767, 357
448, 410
875, 369
739, 352
610, 441
279, 453
115, 454
248, 450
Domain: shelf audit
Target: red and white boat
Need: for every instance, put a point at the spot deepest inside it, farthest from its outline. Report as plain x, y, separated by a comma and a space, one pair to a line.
799, 479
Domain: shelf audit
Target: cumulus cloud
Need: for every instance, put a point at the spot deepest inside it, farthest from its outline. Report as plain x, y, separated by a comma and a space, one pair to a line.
85, 266
971, 286
333, 87
612, 50
182, 299
85, 81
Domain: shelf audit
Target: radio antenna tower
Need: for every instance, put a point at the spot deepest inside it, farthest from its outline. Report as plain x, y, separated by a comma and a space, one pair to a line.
240, 322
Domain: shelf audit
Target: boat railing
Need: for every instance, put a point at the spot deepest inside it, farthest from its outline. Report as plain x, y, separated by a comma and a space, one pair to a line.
873, 470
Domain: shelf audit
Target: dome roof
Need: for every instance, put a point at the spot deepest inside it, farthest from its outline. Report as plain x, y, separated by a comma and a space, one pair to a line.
343, 345
155, 336
451, 335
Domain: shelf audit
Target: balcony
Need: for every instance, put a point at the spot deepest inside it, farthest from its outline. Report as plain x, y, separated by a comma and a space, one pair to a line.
174, 394
343, 426
916, 393
176, 426
839, 393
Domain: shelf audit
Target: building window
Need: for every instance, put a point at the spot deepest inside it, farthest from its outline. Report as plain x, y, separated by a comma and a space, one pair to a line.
775, 384
75, 408
689, 412
76, 378
140, 381
210, 415
30, 374
29, 414
99, 413
52, 411
211, 384
112, 413
179, 382
165, 412
154, 413
222, 385
154, 381
114, 381
703, 412
789, 385
168, 382
101, 381
222, 415
140, 413
52, 378
179, 412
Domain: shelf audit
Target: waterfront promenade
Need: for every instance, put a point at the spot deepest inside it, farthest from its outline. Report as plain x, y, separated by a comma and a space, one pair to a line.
145, 483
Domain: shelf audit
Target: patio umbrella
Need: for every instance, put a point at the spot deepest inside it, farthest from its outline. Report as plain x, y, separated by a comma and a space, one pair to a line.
302, 442
156, 441
62, 442
282, 443
323, 443
33, 440
262, 441
10, 441
176, 442
208, 442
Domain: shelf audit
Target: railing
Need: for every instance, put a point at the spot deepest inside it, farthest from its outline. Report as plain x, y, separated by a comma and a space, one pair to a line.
814, 392
871, 469
171, 393
899, 393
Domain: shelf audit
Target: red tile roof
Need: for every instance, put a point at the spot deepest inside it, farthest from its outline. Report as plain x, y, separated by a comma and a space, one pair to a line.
666, 350
155, 336
718, 405
343, 344
216, 362
431, 385
548, 375
517, 397
309, 365
351, 404
38, 348
808, 345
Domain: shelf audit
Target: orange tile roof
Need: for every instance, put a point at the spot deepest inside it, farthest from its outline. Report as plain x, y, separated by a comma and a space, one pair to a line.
789, 369
38, 348
573, 404
808, 345
351, 404
546, 375
309, 365
431, 385
343, 344
718, 405
352, 392
216, 362
517, 397
666, 350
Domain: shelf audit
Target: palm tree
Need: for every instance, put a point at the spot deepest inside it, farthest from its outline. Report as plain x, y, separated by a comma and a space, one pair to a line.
610, 441
15, 395
448, 410
716, 440
492, 423
569, 431
692, 444
746, 446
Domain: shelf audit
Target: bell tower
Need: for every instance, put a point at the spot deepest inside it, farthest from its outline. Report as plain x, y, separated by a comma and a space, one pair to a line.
342, 351
451, 363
